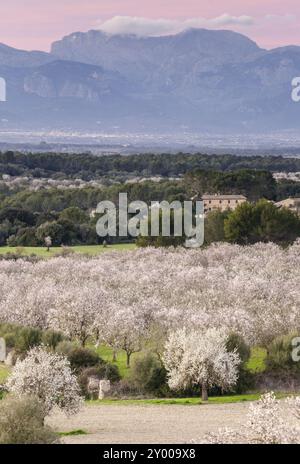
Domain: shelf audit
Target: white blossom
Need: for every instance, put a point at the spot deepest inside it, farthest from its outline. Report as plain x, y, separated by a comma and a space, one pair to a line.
200, 358
47, 376
252, 290
269, 421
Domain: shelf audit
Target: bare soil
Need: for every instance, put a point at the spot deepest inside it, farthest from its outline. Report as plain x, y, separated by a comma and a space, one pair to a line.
133, 424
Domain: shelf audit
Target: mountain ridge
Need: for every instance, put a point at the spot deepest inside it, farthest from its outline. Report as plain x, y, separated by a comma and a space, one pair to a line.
199, 79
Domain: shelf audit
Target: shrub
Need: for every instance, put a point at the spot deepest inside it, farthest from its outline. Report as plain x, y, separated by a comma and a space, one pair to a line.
10, 339
65, 252
106, 371
52, 339
261, 222
126, 389
236, 342
279, 355
8, 328
65, 348
15, 257
80, 358
149, 375
50, 229
27, 338
214, 226
246, 379
110, 372
22, 422
9, 332
25, 236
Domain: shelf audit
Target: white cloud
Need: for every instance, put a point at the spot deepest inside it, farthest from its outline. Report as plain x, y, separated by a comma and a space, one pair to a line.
155, 27
280, 18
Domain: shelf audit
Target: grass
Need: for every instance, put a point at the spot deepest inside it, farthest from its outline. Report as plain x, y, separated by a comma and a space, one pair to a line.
72, 433
4, 373
178, 401
92, 250
183, 401
257, 361
106, 353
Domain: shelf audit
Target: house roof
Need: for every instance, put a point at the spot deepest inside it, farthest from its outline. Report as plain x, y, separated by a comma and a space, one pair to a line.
223, 197
291, 201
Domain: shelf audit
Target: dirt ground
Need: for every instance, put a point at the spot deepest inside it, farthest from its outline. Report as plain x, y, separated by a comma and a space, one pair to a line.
161, 424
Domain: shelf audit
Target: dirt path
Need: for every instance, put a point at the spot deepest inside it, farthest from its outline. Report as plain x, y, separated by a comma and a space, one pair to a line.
149, 423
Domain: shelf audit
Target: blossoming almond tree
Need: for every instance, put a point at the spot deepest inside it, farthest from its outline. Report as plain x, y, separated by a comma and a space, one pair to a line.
266, 424
73, 311
269, 421
49, 377
252, 290
124, 329
200, 358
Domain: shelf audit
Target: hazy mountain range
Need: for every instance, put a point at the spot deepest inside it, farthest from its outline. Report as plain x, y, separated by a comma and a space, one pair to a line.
198, 80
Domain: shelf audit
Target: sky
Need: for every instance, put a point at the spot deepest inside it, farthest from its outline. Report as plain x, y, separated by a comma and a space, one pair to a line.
35, 24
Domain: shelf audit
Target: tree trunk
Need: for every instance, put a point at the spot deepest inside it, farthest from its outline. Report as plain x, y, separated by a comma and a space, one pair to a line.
204, 392
114, 359
83, 340
128, 355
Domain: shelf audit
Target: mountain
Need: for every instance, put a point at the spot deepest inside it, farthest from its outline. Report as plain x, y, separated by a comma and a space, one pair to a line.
139, 58
198, 80
68, 79
20, 58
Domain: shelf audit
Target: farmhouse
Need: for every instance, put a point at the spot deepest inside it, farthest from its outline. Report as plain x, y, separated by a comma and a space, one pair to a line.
292, 204
222, 202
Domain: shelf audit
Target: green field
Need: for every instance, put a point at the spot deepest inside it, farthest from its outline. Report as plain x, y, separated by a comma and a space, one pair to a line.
87, 249
255, 364
257, 359
4, 372
73, 433
184, 401
106, 353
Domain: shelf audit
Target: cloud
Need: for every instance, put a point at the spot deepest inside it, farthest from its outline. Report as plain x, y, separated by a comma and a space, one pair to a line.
281, 18
156, 27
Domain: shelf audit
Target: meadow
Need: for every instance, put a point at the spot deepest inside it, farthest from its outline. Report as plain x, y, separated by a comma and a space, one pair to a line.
4, 373
91, 250
255, 364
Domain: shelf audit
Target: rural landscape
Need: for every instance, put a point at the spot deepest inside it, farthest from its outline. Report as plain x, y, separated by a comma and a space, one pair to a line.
163, 329
149, 225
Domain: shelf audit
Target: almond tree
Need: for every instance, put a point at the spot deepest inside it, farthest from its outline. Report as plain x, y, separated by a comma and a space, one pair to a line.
251, 290
125, 329
269, 422
200, 358
48, 242
48, 377
73, 311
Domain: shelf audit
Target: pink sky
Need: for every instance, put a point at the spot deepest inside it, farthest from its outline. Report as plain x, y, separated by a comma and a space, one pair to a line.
34, 24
